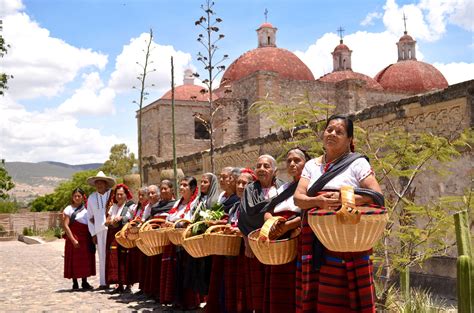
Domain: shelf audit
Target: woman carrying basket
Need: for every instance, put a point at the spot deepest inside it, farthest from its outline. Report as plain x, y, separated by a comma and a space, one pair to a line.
329, 281
279, 295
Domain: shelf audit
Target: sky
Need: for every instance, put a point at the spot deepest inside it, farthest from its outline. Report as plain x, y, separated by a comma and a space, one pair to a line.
74, 62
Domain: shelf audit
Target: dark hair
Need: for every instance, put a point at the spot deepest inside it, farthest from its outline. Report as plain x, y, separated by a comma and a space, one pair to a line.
192, 182
82, 192
349, 126
168, 183
307, 157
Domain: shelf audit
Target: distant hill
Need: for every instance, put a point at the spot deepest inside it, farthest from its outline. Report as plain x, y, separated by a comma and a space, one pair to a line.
35, 173
37, 179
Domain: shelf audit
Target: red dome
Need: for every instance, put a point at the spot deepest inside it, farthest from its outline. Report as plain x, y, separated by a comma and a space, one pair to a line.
338, 76
341, 47
411, 76
406, 38
266, 24
283, 62
186, 93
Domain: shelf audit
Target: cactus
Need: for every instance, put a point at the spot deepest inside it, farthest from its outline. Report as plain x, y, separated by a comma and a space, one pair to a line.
465, 266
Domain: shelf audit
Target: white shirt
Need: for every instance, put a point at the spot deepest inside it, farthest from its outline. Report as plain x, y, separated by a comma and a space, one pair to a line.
146, 211
116, 211
180, 212
81, 216
352, 176
288, 204
97, 204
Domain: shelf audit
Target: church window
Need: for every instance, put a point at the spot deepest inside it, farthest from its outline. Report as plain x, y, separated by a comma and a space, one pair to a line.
200, 130
409, 54
268, 40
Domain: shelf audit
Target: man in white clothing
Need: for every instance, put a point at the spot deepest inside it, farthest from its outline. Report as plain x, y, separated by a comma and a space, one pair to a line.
96, 213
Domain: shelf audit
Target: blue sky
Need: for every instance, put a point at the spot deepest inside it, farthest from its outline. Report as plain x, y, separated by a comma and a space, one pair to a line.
74, 61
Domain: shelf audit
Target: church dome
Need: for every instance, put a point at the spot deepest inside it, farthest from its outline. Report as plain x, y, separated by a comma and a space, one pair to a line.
186, 93
281, 61
338, 76
341, 47
411, 76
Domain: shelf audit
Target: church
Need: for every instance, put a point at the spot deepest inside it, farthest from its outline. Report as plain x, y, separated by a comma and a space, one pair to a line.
276, 74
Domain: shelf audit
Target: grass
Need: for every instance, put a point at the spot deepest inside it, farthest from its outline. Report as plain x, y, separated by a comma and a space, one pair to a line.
49, 234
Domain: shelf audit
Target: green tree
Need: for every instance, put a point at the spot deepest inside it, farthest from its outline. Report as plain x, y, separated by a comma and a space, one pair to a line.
61, 197
6, 182
4, 77
120, 162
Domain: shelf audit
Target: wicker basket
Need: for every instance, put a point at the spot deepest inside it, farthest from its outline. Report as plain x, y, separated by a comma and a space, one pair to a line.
195, 245
131, 232
154, 237
175, 235
149, 251
340, 237
273, 252
122, 240
219, 243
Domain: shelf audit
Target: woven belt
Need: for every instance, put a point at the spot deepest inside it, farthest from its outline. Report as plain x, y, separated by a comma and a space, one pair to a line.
338, 260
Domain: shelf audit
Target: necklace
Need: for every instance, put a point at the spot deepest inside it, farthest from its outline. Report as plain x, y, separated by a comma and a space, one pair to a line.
327, 165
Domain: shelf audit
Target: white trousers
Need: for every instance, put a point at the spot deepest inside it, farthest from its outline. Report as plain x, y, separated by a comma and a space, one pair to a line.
101, 248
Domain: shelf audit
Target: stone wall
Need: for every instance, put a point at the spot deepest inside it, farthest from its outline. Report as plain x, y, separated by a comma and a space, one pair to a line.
35, 220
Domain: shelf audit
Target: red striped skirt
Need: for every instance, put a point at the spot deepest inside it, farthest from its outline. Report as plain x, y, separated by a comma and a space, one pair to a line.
79, 262
234, 284
168, 271
142, 276
133, 265
279, 295
215, 296
154, 271
346, 283
306, 276
254, 283
114, 258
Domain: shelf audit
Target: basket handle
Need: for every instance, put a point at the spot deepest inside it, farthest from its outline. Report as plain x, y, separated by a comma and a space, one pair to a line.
189, 228
268, 226
215, 227
348, 216
147, 223
181, 220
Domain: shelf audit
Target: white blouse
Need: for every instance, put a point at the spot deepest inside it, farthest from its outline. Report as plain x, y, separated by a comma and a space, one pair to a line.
81, 217
286, 205
116, 211
352, 176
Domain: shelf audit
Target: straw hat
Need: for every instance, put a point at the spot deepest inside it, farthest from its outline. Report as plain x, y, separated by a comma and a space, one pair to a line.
101, 176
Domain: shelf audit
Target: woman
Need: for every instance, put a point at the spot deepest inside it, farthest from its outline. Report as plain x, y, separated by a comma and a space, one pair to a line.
235, 298
198, 270
279, 295
79, 260
158, 209
257, 196
227, 182
337, 167
138, 259
175, 259
115, 260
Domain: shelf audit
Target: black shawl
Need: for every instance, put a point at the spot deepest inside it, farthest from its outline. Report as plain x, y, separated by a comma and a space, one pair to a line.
253, 205
229, 202
161, 207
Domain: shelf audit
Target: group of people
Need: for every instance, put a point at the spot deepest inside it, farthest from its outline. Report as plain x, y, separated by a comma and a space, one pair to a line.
318, 280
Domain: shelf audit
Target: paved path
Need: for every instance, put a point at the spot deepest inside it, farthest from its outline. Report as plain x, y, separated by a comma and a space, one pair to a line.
31, 279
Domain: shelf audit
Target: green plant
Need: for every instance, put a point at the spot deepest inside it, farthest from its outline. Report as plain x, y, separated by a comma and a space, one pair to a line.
420, 301
27, 231
215, 213
464, 265
9, 206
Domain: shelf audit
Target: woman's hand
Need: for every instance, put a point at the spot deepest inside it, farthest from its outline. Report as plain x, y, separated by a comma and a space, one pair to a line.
75, 243
279, 230
329, 200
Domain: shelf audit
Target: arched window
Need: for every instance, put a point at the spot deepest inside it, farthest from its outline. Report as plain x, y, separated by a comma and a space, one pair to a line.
268, 40
200, 130
409, 53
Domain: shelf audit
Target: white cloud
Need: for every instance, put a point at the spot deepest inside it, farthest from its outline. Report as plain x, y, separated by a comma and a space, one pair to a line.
41, 65
49, 135
456, 72
427, 20
371, 52
369, 19
8, 7
126, 70
91, 98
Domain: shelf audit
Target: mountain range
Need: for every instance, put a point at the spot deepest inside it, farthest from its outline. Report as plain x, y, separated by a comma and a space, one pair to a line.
37, 179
